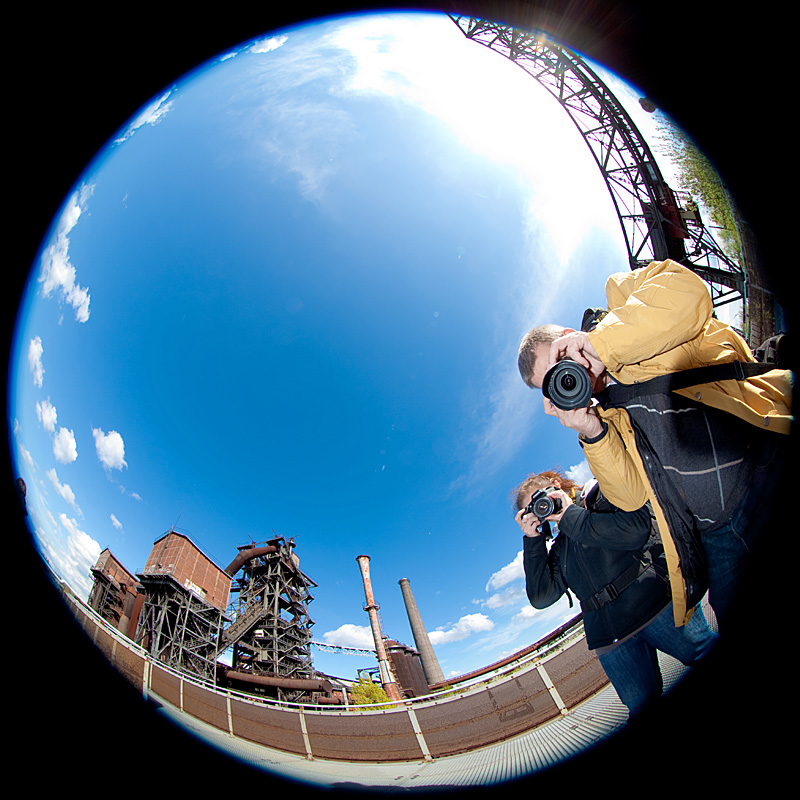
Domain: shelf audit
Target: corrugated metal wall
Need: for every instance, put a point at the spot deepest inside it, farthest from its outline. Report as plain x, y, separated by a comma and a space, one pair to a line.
176, 555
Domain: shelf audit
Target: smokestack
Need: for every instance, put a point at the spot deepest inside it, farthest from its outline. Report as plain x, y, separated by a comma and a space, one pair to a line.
371, 607
430, 664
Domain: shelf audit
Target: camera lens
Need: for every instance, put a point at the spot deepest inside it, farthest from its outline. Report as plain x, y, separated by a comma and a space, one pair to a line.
543, 507
567, 385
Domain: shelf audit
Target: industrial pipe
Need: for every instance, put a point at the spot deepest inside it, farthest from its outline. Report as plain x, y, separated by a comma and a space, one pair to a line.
371, 607
430, 664
307, 684
246, 555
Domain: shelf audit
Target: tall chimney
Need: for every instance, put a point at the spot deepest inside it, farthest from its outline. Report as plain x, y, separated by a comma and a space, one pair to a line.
371, 607
430, 664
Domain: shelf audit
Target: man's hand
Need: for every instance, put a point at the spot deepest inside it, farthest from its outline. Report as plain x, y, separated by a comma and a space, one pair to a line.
576, 345
583, 420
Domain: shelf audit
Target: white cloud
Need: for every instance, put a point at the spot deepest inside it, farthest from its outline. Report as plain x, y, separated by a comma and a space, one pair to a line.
35, 351
47, 415
83, 552
525, 614
64, 489
25, 455
269, 44
151, 115
548, 618
509, 596
134, 495
57, 273
580, 473
116, 523
349, 635
287, 126
510, 572
64, 447
467, 625
510, 579
110, 449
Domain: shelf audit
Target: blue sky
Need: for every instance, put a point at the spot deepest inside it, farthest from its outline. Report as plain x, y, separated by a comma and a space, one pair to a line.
287, 299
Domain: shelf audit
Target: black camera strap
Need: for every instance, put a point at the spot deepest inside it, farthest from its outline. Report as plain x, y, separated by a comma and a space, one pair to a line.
618, 394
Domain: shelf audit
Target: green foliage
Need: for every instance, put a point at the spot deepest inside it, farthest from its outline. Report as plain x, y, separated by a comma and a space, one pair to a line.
698, 177
365, 692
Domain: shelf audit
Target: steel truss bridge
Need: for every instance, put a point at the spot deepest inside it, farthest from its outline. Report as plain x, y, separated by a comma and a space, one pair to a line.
349, 651
655, 225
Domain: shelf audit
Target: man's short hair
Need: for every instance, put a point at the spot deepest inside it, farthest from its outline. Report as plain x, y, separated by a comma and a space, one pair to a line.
541, 334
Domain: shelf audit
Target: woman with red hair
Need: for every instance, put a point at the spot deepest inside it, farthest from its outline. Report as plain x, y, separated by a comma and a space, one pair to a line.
614, 562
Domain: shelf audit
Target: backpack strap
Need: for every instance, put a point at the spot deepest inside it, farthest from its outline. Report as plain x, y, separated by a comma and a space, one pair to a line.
618, 394
643, 560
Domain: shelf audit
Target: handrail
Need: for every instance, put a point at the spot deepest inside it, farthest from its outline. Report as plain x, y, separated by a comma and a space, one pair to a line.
531, 660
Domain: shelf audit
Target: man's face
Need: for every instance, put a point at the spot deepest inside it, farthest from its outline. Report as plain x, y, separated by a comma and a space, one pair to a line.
540, 364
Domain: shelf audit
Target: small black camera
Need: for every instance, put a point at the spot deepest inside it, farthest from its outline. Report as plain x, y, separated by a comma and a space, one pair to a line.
567, 385
542, 505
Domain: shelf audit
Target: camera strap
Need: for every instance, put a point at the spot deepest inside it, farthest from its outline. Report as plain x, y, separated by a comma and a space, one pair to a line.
620, 393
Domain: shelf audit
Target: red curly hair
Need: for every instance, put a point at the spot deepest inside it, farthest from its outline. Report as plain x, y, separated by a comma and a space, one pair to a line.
541, 480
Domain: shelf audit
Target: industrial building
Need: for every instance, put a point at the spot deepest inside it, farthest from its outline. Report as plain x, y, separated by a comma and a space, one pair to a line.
116, 594
527, 711
179, 609
183, 614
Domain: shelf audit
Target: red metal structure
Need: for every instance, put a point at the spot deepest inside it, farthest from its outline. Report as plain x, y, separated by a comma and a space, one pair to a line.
116, 594
186, 595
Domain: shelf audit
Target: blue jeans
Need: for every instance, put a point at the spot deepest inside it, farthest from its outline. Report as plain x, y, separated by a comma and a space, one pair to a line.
632, 666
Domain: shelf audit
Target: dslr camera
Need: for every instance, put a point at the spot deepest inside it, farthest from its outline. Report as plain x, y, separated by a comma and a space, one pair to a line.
542, 505
567, 385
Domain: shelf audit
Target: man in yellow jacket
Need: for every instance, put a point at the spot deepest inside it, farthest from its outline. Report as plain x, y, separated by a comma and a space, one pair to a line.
706, 455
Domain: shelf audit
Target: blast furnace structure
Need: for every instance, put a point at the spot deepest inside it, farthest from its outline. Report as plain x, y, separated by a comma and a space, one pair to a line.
271, 633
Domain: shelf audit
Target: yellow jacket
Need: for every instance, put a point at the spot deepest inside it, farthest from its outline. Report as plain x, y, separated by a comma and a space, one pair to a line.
660, 321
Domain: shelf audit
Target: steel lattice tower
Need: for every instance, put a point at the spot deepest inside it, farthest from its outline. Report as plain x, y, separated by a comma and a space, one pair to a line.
271, 632
654, 224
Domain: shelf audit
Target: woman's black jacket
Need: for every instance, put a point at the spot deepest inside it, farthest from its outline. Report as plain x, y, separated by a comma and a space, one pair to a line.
612, 560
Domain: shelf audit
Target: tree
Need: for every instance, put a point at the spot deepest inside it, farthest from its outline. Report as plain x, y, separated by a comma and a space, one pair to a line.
366, 692
698, 176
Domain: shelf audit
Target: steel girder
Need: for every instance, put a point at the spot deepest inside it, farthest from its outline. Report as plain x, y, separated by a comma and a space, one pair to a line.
654, 225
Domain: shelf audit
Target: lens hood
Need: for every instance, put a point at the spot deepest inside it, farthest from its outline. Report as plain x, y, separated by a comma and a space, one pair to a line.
567, 385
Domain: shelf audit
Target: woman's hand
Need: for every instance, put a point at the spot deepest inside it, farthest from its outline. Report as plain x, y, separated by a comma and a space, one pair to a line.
529, 524
566, 502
